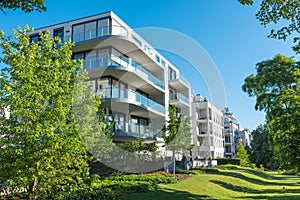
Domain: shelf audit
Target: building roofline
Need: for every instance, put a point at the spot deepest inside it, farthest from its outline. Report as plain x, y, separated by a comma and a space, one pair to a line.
110, 12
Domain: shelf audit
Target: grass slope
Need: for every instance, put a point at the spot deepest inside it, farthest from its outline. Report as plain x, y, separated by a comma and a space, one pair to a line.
226, 183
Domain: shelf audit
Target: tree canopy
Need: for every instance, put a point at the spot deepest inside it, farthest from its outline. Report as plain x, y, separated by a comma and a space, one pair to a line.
25, 5
179, 135
280, 12
41, 151
276, 88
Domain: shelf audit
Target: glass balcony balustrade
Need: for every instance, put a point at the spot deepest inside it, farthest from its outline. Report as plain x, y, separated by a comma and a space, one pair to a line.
113, 60
132, 96
95, 33
179, 96
143, 131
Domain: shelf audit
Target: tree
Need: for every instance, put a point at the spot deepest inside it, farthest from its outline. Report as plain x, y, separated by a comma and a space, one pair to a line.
276, 87
286, 11
179, 135
139, 146
262, 152
242, 155
42, 152
25, 5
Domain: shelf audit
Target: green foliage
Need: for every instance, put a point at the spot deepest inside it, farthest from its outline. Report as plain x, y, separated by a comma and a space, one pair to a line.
25, 5
86, 194
276, 12
41, 153
139, 146
179, 136
262, 153
126, 184
242, 155
276, 87
228, 161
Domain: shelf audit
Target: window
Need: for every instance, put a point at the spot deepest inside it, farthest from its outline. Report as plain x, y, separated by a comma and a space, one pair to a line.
157, 58
163, 63
172, 74
78, 33
103, 88
89, 30
59, 33
103, 27
34, 38
138, 124
119, 119
78, 56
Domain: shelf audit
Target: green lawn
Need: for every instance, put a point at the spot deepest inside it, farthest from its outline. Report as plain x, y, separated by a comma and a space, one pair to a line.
226, 183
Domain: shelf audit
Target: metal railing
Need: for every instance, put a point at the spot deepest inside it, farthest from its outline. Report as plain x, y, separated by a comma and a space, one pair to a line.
132, 96
103, 62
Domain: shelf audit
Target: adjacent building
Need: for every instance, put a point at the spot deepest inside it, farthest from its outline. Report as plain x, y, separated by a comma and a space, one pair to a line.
245, 137
231, 132
208, 129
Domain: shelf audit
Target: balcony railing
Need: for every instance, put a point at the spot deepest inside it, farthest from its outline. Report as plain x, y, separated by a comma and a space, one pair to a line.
179, 96
132, 96
100, 32
143, 131
103, 62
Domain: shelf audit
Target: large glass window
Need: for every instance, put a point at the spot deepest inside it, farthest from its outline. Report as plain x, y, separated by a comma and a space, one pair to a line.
78, 56
90, 30
119, 119
103, 88
90, 61
78, 33
103, 27
59, 33
172, 74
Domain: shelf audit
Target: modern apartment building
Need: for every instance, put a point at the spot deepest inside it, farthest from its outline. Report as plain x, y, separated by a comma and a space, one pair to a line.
231, 131
135, 82
208, 129
245, 137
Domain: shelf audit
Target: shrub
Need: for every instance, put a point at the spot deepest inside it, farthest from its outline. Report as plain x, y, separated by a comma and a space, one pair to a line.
86, 194
228, 161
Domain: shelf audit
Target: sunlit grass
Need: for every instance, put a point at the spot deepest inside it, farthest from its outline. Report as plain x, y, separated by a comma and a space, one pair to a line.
227, 183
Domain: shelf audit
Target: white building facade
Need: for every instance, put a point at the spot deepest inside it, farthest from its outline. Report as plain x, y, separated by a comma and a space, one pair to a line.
135, 82
208, 130
231, 132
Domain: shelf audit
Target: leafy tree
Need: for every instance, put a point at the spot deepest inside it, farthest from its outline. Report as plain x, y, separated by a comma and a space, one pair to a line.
41, 150
242, 155
276, 87
262, 152
25, 5
286, 11
139, 146
179, 135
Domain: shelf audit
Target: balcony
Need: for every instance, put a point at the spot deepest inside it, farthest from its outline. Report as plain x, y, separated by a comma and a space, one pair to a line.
132, 97
178, 98
120, 61
203, 133
114, 30
179, 83
97, 33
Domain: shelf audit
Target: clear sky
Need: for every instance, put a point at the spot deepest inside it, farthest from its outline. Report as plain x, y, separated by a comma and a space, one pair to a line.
228, 31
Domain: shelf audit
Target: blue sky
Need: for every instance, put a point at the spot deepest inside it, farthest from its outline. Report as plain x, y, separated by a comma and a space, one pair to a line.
228, 31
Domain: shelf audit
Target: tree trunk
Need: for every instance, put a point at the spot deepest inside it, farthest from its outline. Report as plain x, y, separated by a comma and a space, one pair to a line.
174, 164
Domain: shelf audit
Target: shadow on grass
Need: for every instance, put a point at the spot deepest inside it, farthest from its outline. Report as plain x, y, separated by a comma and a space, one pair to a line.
248, 179
164, 194
236, 188
281, 197
268, 176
